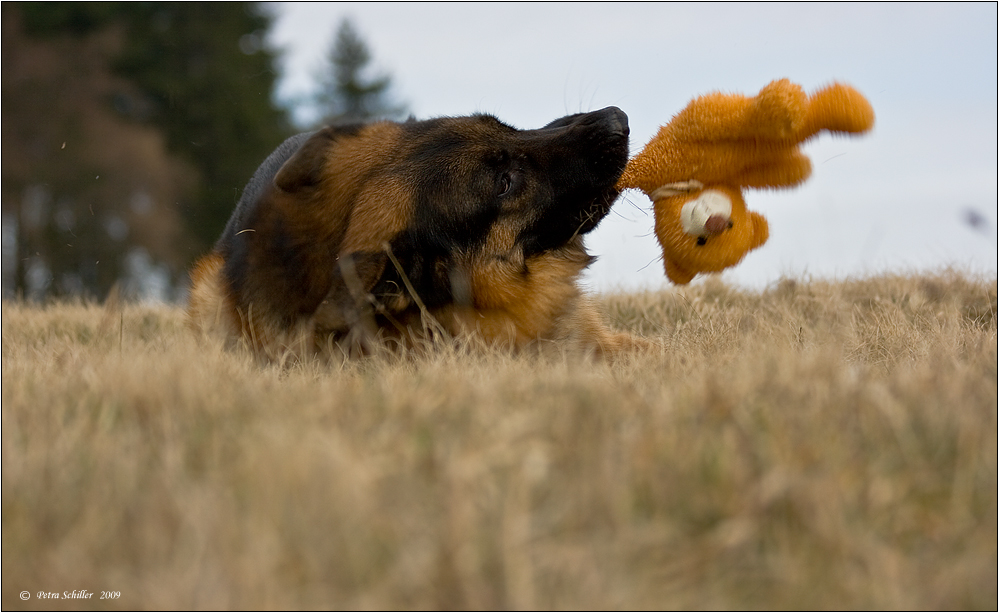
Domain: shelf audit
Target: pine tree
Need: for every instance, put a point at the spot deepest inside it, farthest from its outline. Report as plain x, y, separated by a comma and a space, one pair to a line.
345, 95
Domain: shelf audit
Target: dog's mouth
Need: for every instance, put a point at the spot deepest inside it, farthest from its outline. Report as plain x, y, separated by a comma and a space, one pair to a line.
607, 160
590, 153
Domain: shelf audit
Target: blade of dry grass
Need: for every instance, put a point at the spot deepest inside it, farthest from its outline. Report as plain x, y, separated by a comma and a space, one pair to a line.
819, 445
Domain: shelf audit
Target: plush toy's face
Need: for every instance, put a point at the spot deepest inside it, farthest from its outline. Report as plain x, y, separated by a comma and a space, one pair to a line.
706, 232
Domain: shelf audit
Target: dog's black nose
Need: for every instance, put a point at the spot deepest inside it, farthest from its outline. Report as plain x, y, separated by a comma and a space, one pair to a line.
614, 120
611, 119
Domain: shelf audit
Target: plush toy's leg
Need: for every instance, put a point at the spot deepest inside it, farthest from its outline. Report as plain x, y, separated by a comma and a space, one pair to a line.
837, 108
776, 113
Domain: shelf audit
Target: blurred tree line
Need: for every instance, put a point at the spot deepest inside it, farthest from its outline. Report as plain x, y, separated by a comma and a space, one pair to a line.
346, 93
129, 131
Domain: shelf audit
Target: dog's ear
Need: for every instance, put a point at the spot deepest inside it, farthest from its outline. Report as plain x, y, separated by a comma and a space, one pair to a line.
304, 169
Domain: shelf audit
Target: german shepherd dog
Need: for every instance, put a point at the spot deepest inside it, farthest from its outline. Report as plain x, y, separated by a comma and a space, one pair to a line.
392, 232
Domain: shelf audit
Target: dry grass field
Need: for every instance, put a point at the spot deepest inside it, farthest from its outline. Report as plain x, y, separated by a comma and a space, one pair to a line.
818, 445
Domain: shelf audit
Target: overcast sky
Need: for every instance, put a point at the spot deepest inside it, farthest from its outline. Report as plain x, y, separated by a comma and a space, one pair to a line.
918, 193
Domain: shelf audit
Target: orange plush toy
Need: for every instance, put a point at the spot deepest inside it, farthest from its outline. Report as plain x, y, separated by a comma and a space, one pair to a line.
696, 166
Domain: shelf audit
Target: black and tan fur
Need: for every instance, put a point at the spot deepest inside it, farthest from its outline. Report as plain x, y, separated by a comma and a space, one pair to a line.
394, 231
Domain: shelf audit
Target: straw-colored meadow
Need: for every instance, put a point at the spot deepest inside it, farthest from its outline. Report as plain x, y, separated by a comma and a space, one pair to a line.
818, 445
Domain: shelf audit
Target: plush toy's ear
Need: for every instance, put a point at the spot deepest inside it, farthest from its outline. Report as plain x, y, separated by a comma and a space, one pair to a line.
761, 230
677, 274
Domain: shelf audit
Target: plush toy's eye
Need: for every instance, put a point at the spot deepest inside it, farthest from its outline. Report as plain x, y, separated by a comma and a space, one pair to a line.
701, 241
730, 225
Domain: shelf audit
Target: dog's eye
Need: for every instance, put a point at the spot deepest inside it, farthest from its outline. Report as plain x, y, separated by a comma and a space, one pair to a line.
505, 183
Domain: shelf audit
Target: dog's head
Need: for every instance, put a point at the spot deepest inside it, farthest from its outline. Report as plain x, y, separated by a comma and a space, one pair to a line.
421, 211
547, 185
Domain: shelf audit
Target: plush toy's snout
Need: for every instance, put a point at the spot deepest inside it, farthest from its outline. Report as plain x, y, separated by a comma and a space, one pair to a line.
716, 224
707, 215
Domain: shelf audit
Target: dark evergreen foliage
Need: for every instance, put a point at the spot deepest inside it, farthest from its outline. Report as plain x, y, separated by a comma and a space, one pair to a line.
346, 94
207, 81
